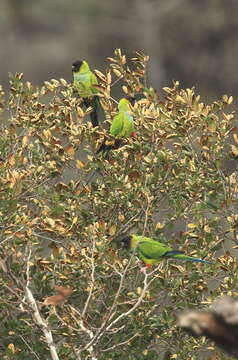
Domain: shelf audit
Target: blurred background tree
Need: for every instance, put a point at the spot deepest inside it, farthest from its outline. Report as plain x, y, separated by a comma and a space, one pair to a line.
194, 42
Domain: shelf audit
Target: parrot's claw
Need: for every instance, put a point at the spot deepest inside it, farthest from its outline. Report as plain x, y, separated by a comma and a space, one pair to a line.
143, 270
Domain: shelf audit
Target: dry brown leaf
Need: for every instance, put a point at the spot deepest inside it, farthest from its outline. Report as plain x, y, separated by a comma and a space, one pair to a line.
64, 291
70, 150
54, 300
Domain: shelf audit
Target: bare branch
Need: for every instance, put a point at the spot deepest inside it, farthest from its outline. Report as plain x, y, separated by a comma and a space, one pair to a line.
37, 316
92, 275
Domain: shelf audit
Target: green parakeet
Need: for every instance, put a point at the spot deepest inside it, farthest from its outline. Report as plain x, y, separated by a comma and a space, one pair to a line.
122, 125
152, 252
84, 80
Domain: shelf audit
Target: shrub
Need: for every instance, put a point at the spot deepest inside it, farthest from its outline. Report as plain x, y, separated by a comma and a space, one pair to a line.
67, 289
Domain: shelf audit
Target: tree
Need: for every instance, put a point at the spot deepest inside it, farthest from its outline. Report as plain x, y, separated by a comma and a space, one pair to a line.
67, 289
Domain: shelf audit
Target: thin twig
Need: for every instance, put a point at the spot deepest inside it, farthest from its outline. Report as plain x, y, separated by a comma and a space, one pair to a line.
36, 314
29, 347
11, 236
92, 276
121, 343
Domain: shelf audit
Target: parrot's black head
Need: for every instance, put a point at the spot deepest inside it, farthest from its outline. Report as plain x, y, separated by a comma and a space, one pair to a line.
126, 242
131, 99
77, 65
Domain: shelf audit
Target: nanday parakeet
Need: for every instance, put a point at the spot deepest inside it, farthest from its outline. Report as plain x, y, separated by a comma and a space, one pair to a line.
122, 125
152, 252
84, 80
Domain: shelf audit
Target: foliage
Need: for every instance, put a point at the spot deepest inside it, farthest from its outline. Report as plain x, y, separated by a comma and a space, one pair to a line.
62, 271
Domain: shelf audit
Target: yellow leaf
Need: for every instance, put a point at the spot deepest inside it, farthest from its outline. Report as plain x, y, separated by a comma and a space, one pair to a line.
124, 88
191, 226
121, 217
234, 150
117, 72
100, 75
75, 219
235, 136
63, 82
60, 229
79, 164
112, 230
24, 141
109, 77
167, 89
159, 226
46, 133
180, 99
178, 267
11, 347
138, 290
11, 160
207, 229
83, 251
50, 221
80, 112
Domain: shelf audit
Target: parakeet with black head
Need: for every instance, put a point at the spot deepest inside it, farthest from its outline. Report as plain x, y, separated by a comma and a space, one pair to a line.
122, 125
152, 252
84, 80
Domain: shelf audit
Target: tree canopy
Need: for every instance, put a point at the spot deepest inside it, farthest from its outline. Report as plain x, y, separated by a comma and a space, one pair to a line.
68, 290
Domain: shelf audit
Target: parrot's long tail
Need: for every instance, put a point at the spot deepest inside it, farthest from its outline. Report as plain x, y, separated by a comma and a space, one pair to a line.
181, 256
94, 104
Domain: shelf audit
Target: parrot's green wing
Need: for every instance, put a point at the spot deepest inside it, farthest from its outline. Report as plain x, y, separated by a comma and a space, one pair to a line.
94, 81
117, 125
128, 125
122, 125
152, 250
